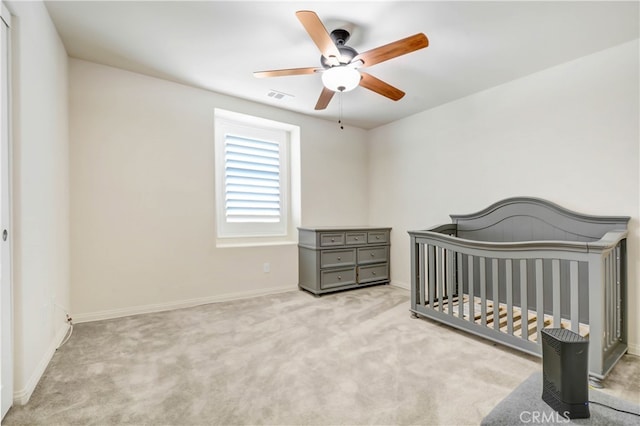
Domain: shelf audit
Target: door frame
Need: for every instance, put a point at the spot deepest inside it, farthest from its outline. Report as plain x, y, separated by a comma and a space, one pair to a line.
6, 278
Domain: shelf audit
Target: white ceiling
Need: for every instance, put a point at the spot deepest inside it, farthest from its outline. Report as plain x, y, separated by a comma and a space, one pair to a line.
217, 45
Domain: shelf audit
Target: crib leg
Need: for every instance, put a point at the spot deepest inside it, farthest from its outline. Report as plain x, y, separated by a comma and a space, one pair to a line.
595, 383
414, 315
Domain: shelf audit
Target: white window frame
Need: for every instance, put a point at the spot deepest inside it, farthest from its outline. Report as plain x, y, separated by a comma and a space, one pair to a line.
288, 138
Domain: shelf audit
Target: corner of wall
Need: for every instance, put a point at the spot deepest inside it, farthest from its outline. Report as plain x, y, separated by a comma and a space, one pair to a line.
22, 396
40, 192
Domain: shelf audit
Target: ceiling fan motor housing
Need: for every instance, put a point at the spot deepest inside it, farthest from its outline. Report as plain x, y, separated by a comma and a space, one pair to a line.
346, 55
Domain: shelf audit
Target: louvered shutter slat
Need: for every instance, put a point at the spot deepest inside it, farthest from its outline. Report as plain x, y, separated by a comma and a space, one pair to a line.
252, 180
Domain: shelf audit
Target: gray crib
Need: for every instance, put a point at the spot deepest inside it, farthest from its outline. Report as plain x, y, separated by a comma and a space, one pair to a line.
523, 264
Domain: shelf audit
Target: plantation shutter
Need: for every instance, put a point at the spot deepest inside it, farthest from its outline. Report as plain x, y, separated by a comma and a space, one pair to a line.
252, 180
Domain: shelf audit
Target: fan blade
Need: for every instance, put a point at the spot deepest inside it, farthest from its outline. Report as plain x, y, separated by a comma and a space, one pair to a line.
380, 87
393, 50
318, 34
284, 72
324, 99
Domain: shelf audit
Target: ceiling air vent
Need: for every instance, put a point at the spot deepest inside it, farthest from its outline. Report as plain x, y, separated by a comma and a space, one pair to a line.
278, 95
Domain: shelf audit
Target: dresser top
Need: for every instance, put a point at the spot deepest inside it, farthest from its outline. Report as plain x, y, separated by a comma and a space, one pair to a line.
343, 228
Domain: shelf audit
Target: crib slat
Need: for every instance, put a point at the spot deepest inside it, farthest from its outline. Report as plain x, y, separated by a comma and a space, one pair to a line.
524, 304
472, 298
460, 279
431, 254
496, 295
618, 294
605, 320
539, 296
449, 256
608, 297
420, 294
575, 301
614, 293
483, 292
509, 301
555, 273
440, 279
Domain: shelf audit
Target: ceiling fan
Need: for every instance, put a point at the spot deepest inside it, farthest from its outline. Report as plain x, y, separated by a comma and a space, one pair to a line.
341, 64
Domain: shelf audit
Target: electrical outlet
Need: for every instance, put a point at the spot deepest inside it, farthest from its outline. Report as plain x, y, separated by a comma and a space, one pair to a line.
266, 267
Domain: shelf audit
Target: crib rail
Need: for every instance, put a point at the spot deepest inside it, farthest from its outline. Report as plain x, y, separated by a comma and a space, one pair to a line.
510, 291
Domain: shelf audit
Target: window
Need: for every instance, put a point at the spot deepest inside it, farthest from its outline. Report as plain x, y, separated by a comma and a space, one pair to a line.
257, 179
252, 181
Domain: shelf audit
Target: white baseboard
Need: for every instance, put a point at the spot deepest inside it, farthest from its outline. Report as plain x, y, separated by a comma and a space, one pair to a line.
22, 396
400, 284
168, 306
634, 348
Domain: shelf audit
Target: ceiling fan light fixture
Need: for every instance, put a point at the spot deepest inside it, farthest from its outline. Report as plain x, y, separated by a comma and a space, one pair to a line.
341, 78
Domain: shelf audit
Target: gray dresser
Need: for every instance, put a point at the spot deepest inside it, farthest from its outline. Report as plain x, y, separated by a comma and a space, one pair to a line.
332, 258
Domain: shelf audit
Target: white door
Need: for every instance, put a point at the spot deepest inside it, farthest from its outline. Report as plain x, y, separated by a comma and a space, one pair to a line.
6, 312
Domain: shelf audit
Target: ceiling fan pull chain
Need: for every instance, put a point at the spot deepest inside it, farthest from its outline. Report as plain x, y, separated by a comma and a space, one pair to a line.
340, 110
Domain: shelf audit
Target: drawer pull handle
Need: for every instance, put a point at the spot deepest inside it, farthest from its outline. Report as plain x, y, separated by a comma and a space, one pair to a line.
373, 273
377, 237
373, 254
333, 240
339, 258
339, 277
356, 238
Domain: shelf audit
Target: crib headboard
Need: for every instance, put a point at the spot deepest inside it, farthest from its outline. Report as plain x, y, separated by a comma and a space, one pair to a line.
534, 219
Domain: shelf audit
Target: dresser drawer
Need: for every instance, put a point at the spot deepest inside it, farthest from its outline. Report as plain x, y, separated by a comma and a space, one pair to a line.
337, 277
373, 273
377, 237
356, 238
331, 239
373, 254
329, 258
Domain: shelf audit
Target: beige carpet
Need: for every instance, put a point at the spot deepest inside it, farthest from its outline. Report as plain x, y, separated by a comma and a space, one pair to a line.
352, 358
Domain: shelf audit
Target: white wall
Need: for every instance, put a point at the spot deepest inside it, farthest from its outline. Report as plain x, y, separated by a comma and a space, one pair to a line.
142, 194
569, 134
40, 193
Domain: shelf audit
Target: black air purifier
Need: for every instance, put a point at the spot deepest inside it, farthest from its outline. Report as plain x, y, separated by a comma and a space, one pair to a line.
565, 372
